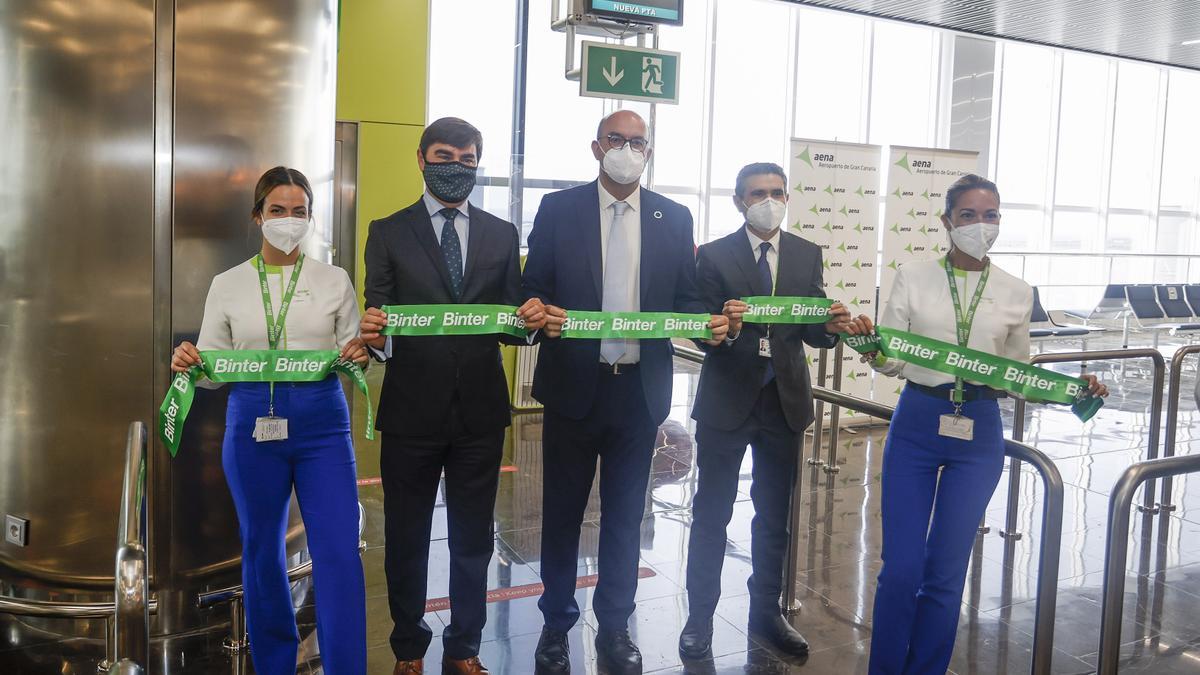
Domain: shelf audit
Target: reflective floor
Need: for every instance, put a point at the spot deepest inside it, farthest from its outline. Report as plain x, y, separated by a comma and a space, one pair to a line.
839, 558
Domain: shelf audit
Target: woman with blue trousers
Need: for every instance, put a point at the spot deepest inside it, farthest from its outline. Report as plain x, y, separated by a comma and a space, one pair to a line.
938, 478
282, 300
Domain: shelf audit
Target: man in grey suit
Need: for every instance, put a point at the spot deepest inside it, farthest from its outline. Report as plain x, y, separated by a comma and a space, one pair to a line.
754, 390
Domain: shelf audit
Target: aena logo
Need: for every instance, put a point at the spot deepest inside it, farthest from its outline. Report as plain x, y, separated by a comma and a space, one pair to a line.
819, 157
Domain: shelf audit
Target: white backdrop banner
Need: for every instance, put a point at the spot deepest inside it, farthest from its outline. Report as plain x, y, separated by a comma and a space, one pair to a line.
834, 203
916, 194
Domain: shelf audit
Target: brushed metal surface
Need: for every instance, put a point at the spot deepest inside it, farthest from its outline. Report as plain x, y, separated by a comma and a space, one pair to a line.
254, 88
131, 135
76, 160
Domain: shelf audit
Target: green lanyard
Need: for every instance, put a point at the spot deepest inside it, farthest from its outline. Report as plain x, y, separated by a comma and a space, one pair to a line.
275, 324
964, 321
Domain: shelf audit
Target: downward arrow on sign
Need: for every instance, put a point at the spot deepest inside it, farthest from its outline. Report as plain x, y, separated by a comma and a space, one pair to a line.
613, 76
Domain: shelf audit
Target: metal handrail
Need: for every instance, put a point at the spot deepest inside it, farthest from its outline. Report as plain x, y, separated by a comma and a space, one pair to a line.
1174, 385
223, 595
131, 590
1014, 472
127, 617
1118, 546
1052, 515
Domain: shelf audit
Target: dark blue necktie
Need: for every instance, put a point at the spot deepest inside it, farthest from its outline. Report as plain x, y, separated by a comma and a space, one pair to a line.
766, 287
452, 251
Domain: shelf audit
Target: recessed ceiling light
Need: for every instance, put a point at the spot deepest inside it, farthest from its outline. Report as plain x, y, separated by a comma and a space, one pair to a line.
1191, 42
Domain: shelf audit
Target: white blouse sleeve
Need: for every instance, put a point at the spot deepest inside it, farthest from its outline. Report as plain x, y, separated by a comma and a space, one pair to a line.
215, 333
346, 322
895, 315
1016, 345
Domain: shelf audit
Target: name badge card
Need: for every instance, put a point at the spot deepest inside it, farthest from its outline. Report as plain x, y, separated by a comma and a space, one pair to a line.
270, 429
957, 426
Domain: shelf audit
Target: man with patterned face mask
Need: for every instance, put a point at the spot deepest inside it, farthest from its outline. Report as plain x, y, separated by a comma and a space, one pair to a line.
613, 246
444, 404
754, 391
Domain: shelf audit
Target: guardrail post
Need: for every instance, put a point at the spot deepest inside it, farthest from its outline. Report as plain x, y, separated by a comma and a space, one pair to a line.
791, 603
1173, 392
819, 419
237, 641
1119, 503
831, 465
131, 591
1160, 367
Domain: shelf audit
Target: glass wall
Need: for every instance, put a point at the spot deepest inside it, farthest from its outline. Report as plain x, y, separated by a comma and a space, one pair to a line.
1094, 155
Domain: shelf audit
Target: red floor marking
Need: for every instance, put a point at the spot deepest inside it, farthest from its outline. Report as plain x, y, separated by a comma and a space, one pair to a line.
508, 468
526, 591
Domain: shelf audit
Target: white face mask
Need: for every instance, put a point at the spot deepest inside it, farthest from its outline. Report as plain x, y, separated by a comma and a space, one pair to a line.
286, 234
624, 166
766, 215
975, 239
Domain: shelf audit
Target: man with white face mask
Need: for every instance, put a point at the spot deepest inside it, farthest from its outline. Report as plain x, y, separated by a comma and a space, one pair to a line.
754, 390
614, 246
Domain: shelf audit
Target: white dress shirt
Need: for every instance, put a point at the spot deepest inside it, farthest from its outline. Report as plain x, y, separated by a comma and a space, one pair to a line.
772, 253
632, 222
323, 315
462, 223
920, 303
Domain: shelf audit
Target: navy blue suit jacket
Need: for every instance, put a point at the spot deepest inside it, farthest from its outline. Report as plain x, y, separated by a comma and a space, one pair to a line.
563, 267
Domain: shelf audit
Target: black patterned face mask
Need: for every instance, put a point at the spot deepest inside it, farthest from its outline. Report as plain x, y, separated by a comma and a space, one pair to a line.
450, 182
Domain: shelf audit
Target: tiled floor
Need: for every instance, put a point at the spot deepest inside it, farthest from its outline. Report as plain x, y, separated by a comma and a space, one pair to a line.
839, 553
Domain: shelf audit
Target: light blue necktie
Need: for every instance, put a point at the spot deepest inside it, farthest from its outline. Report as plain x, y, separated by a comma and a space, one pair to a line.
618, 280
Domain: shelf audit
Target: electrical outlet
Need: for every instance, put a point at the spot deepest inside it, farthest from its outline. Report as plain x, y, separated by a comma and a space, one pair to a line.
16, 530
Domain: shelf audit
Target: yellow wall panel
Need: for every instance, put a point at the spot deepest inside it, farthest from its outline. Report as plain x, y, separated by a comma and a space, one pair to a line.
383, 55
388, 178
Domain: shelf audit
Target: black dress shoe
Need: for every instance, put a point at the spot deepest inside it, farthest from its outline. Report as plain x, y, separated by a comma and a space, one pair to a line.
553, 655
778, 633
617, 654
695, 641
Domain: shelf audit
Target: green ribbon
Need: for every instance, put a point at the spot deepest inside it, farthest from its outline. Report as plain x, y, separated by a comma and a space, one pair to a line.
418, 320
793, 310
635, 325
993, 371
265, 365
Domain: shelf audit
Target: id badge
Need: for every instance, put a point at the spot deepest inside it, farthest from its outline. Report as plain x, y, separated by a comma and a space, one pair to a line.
957, 426
764, 347
270, 429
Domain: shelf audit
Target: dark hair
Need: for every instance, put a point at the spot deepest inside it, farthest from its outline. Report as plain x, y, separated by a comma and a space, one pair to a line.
967, 183
273, 178
452, 131
757, 169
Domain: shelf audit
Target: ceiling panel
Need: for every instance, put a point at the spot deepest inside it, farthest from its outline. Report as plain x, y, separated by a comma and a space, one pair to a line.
1149, 30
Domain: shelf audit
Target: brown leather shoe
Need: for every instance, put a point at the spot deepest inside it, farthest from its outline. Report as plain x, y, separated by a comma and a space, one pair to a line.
471, 666
409, 667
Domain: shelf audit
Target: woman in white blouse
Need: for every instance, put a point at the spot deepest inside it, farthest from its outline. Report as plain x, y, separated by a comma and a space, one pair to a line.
936, 481
314, 455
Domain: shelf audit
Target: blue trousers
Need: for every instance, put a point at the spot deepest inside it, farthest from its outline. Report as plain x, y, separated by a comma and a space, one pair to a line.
317, 460
935, 491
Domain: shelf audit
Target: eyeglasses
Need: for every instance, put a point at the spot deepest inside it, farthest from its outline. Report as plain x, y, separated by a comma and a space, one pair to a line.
617, 141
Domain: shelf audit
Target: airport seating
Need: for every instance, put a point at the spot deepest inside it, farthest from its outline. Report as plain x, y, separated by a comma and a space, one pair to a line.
1043, 327
1150, 314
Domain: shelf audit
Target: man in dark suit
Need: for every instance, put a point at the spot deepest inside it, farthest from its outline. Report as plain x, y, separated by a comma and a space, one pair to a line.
613, 246
754, 390
444, 404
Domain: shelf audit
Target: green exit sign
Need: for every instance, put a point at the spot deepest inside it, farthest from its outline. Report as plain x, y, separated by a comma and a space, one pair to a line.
633, 73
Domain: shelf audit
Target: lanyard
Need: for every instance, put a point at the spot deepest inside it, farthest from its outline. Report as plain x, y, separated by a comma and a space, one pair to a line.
275, 324
963, 321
